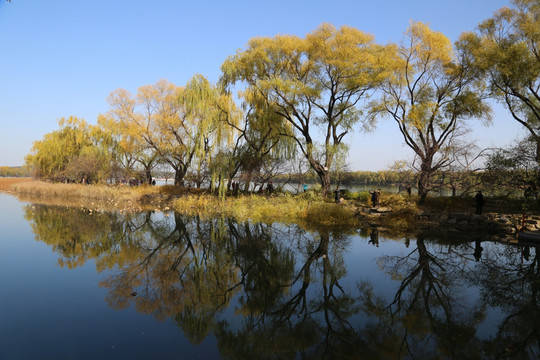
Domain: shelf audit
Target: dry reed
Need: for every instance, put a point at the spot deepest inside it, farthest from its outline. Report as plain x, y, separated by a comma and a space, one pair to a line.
284, 208
7, 183
94, 196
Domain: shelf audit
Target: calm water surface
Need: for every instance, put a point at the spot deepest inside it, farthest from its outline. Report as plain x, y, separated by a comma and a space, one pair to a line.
77, 284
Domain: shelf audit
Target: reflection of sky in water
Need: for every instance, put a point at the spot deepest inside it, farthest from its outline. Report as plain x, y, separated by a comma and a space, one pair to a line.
50, 312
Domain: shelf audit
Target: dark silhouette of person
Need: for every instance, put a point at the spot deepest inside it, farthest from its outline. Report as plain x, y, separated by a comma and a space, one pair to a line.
375, 197
337, 193
479, 202
478, 249
374, 237
270, 187
525, 253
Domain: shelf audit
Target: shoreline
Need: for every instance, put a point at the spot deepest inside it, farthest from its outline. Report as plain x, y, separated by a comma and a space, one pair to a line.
7, 182
398, 216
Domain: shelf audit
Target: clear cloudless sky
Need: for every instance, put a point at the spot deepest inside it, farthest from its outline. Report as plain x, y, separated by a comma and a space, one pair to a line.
64, 57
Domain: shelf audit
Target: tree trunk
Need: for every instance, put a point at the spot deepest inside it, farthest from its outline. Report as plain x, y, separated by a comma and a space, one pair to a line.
198, 182
324, 176
178, 177
148, 176
538, 160
423, 180
248, 180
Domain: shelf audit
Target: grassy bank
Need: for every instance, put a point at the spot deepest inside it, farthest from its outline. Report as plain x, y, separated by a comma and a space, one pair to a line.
307, 209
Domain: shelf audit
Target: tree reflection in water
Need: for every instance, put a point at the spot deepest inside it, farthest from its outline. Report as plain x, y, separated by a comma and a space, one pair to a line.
510, 282
289, 286
429, 315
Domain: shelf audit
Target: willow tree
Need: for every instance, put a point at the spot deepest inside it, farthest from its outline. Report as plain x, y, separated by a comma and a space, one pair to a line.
73, 142
125, 141
506, 49
205, 109
432, 95
316, 84
122, 146
257, 139
176, 122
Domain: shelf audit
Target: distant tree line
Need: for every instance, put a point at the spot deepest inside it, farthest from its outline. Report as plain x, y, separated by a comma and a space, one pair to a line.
13, 171
287, 104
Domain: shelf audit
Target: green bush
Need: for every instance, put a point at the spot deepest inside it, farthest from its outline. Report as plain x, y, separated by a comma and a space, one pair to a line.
362, 196
310, 195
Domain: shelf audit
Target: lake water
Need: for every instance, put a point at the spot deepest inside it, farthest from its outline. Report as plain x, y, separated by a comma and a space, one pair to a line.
77, 284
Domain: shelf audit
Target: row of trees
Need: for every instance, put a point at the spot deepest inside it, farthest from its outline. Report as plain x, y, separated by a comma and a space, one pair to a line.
13, 171
302, 97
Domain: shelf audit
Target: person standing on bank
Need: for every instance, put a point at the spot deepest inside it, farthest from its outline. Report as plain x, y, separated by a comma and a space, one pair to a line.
373, 197
337, 193
479, 202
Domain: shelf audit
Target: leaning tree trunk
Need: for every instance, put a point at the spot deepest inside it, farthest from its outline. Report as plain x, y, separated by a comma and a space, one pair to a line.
324, 176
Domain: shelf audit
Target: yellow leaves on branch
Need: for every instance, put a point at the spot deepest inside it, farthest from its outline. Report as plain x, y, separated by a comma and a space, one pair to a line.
420, 114
427, 46
290, 64
347, 50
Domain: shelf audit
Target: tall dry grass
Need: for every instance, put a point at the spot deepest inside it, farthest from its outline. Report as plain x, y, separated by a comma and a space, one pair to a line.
76, 192
284, 208
6, 184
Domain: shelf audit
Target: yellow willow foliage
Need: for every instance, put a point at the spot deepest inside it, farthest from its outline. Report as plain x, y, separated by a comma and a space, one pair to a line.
228, 112
505, 50
284, 51
180, 124
420, 113
76, 133
263, 120
159, 107
348, 52
50, 155
288, 64
432, 96
509, 43
124, 122
428, 46
122, 106
114, 134
199, 101
314, 84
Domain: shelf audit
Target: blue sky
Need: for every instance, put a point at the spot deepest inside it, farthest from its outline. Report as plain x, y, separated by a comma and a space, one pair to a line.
64, 57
